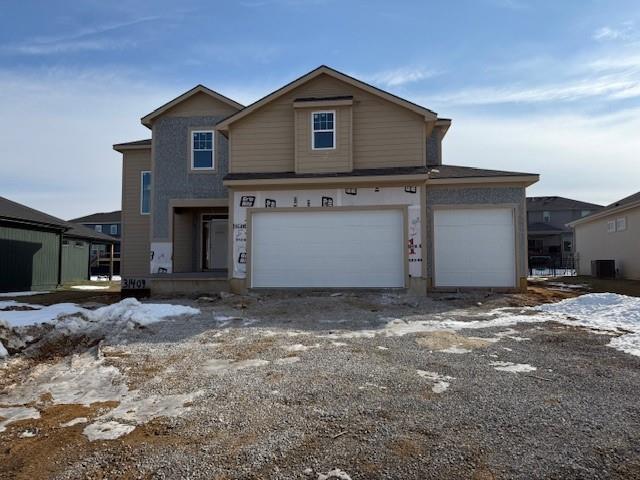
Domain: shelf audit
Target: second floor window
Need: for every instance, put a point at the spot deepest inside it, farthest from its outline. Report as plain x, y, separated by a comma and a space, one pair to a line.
113, 229
145, 192
98, 228
202, 150
546, 217
323, 129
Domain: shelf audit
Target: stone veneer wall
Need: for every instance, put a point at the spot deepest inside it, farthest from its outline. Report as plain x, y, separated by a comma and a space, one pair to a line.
172, 177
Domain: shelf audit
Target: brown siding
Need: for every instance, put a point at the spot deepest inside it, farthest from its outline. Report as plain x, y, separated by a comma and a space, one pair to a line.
200, 104
336, 160
384, 134
135, 249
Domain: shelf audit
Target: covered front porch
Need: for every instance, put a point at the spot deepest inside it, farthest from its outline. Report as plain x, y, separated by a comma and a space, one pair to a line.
200, 255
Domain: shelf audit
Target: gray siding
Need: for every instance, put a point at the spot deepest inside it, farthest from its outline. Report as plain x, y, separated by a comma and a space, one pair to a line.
479, 196
172, 177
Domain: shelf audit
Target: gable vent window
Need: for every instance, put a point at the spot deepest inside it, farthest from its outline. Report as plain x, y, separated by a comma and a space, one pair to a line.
324, 130
202, 157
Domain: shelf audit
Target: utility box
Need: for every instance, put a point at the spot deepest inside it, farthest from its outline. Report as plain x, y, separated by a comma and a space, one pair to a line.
603, 268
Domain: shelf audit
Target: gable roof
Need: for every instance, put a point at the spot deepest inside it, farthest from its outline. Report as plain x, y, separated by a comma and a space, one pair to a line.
323, 69
559, 203
101, 217
147, 119
632, 201
13, 211
135, 145
18, 213
80, 231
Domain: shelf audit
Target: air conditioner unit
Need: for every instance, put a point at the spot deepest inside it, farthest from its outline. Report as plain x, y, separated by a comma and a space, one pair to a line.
603, 268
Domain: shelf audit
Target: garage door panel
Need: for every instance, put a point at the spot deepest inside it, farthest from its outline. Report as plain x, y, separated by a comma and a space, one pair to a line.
328, 249
474, 247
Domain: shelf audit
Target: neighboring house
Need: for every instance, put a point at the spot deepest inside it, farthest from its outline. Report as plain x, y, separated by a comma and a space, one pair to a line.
107, 223
39, 251
612, 233
326, 182
547, 230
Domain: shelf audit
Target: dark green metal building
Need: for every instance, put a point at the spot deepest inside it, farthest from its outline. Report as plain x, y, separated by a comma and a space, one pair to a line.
39, 251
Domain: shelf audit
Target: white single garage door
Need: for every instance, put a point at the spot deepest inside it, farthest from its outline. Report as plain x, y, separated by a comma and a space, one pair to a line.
339, 248
474, 247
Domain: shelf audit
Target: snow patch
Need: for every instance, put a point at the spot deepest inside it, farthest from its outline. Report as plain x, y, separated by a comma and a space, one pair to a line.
15, 414
440, 382
123, 312
287, 360
602, 311
335, 474
90, 287
3, 351
75, 421
454, 349
512, 367
221, 365
107, 430
20, 294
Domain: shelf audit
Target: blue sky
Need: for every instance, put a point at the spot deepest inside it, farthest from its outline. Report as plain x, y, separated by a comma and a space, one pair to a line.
551, 87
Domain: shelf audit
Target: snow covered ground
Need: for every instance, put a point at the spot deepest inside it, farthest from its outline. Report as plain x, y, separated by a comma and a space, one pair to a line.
19, 294
127, 310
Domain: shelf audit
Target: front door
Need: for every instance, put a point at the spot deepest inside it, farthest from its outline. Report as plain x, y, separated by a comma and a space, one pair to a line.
214, 238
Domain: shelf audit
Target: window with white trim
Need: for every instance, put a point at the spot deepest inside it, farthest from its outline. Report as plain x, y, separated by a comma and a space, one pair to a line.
323, 130
611, 226
145, 192
621, 224
113, 229
546, 217
202, 150
98, 228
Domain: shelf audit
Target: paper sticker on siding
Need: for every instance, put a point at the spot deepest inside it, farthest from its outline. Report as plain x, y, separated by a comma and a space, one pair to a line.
161, 257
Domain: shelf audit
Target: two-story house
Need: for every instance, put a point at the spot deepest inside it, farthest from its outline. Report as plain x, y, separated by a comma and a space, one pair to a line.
548, 232
107, 223
327, 182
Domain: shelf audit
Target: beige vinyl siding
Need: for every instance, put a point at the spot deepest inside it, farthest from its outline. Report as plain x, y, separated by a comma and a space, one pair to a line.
200, 104
321, 161
594, 242
183, 241
384, 134
135, 248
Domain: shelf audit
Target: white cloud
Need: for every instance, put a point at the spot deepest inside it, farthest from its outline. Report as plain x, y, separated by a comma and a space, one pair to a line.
400, 76
607, 77
624, 31
579, 156
58, 128
80, 40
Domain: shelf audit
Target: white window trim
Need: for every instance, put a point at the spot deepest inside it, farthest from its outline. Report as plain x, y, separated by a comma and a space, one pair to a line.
213, 149
611, 226
112, 228
621, 224
98, 228
313, 137
142, 192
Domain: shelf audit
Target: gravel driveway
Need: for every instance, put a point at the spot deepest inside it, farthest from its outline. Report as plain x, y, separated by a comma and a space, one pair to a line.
324, 387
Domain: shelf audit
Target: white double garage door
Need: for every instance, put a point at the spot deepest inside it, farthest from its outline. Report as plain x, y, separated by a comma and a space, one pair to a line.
366, 248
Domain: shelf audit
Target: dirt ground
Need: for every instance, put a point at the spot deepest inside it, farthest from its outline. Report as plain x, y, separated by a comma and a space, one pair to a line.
356, 386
